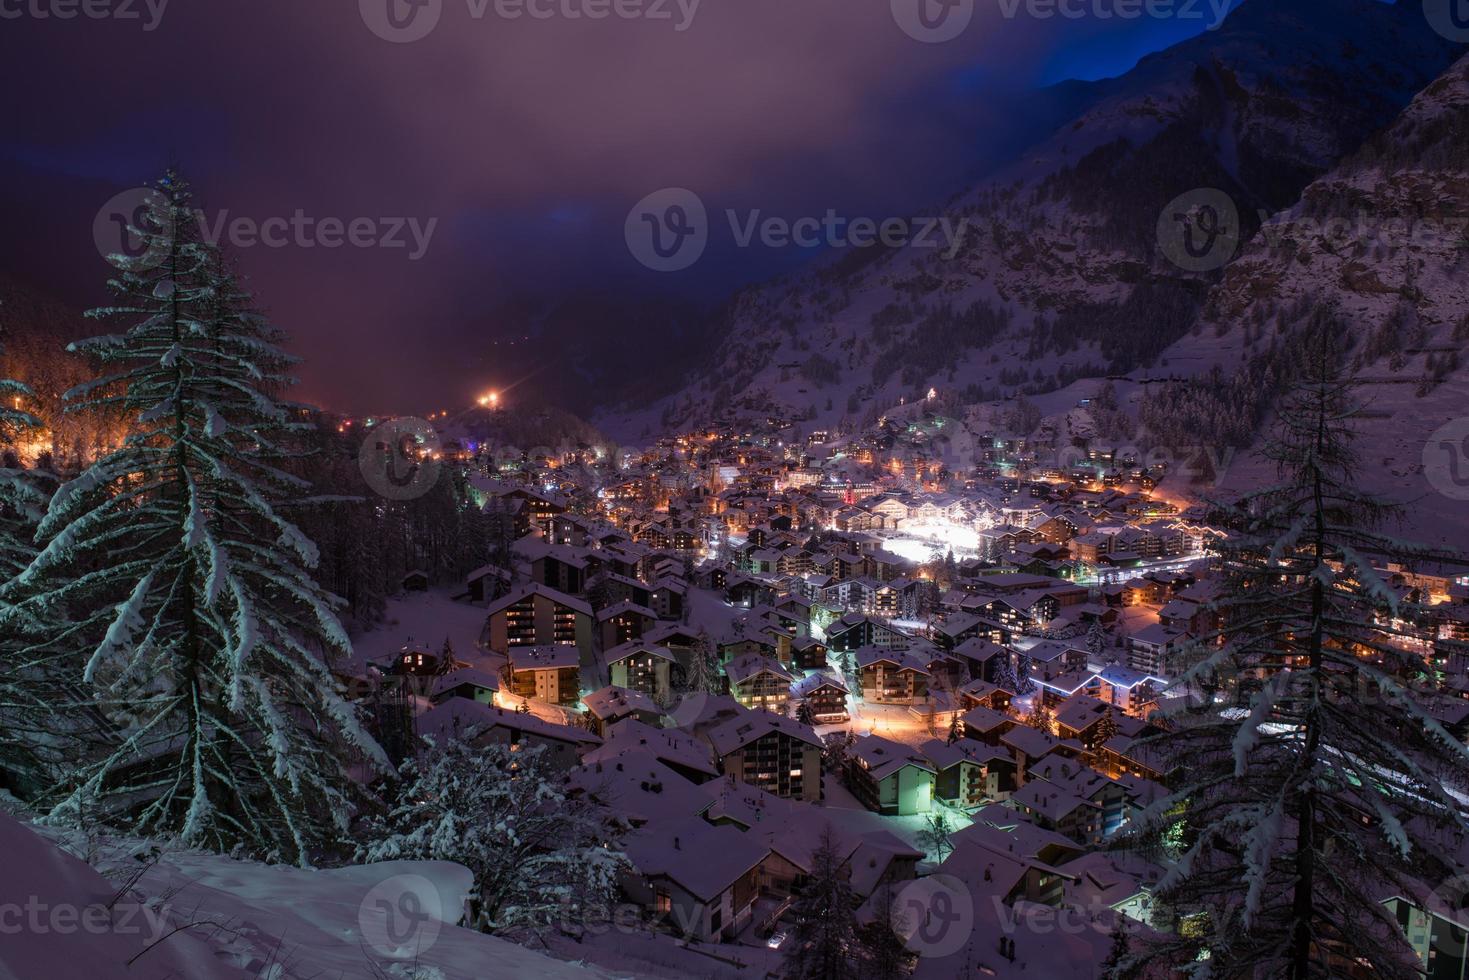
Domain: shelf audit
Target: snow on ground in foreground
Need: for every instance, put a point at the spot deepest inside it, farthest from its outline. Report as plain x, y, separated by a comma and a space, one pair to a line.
245, 920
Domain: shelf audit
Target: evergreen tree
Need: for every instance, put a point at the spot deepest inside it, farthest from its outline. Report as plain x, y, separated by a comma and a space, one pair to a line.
1338, 786
956, 727
169, 566
804, 714
884, 955
824, 933
22, 494
1005, 676
1096, 638
1023, 665
1041, 716
540, 855
1118, 962
702, 677
32, 689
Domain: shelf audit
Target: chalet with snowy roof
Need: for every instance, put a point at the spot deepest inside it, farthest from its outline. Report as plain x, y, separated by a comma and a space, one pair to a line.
1124, 883
892, 676
968, 773
889, 777
485, 583
823, 696
610, 705
465, 682
698, 712
557, 566
1023, 610
1058, 688
808, 653
772, 752
1129, 755
1030, 745
856, 630
757, 681
1133, 691
539, 507
549, 673
701, 880
1052, 808
1149, 649
484, 724
673, 636
1086, 720
684, 753
641, 667
537, 616
977, 693
612, 587
1055, 656
1003, 829
640, 789
982, 657
624, 622
986, 724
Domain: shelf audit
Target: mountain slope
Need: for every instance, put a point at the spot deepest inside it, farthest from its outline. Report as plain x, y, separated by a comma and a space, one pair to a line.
1380, 242
1059, 275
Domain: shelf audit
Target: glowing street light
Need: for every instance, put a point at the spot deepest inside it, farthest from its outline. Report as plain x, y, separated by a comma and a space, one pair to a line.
491, 400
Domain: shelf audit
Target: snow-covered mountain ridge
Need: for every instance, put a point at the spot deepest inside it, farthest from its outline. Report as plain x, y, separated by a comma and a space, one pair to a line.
1060, 275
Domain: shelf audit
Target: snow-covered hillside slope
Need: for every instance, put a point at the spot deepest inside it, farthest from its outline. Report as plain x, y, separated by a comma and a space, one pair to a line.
1058, 274
1383, 241
206, 917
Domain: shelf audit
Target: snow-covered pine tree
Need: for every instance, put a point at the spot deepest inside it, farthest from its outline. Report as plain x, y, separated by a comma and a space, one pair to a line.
1289, 821
168, 569
702, 677
1023, 667
884, 955
22, 497
824, 922
540, 855
1005, 676
33, 695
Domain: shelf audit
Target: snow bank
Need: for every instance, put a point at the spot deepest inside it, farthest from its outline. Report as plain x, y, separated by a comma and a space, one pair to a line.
208, 917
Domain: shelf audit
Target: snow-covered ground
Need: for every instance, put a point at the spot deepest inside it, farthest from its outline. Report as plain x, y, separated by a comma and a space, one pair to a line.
425, 619
124, 914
